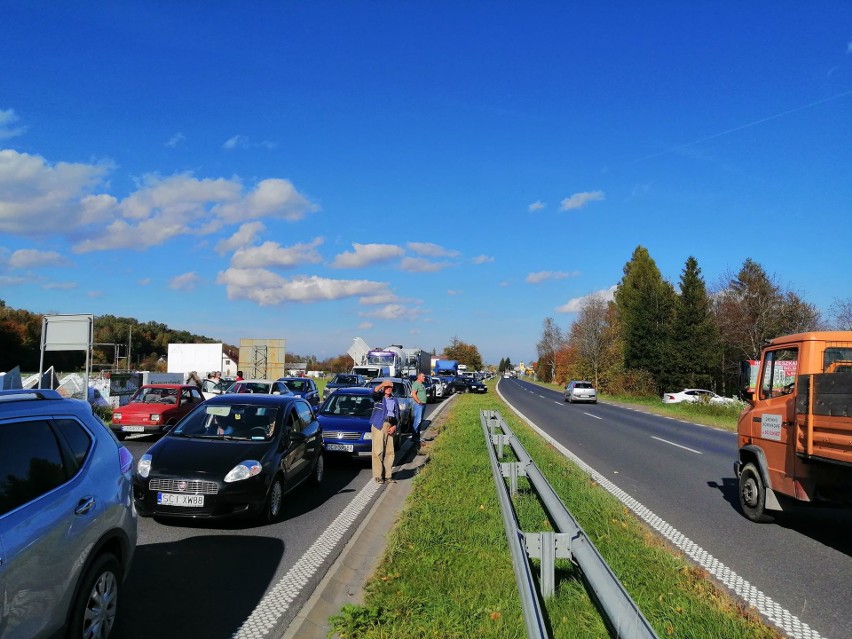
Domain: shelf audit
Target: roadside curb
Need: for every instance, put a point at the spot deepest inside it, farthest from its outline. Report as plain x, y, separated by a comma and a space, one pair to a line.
344, 581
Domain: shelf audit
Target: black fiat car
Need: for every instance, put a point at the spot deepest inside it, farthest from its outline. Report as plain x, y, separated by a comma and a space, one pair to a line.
235, 454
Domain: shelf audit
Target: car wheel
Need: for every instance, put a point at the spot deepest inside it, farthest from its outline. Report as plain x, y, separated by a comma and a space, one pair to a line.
274, 502
96, 604
319, 471
753, 495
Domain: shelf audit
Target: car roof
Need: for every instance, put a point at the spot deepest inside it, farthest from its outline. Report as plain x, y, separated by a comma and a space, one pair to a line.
353, 390
40, 401
168, 386
252, 398
257, 381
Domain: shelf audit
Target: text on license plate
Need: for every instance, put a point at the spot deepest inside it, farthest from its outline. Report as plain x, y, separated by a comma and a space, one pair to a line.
170, 499
133, 429
347, 448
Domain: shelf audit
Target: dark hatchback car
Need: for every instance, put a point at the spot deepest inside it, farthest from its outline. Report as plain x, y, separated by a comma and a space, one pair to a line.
345, 420
304, 387
236, 454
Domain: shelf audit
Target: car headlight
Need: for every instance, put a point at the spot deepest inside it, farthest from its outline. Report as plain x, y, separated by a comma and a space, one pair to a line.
368, 435
143, 468
154, 417
116, 417
244, 470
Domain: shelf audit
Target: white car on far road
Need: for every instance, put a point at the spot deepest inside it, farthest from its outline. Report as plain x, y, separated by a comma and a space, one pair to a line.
695, 396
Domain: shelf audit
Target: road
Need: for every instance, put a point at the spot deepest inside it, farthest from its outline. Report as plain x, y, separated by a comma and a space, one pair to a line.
683, 473
205, 580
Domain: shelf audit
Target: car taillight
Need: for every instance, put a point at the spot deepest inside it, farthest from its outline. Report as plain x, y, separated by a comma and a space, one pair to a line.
125, 459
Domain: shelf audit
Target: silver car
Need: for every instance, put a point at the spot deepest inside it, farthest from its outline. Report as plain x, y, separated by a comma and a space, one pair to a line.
67, 522
580, 391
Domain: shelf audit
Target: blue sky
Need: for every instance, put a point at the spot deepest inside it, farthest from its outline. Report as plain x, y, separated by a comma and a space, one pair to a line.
411, 172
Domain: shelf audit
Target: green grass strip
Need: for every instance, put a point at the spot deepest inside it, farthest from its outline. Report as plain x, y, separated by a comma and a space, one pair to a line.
447, 570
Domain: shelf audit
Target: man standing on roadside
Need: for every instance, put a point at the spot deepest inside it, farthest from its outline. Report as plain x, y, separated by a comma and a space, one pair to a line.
418, 398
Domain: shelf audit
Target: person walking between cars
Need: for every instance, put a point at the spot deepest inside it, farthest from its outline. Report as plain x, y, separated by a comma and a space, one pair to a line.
383, 423
418, 399
193, 378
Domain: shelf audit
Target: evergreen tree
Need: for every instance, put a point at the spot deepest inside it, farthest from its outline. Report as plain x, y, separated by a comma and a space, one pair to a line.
645, 302
694, 338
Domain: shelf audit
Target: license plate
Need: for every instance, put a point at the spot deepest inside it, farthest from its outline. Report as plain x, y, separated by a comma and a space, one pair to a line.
346, 448
132, 429
170, 499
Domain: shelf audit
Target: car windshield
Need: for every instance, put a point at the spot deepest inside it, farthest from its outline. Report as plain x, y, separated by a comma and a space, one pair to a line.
229, 421
344, 379
250, 387
155, 396
348, 405
582, 385
297, 385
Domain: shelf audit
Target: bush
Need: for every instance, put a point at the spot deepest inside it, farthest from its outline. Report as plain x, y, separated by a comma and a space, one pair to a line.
104, 412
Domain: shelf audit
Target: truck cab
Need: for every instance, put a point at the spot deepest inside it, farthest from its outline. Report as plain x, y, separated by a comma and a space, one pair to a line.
795, 438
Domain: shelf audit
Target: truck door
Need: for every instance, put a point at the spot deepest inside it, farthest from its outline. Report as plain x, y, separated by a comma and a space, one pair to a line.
774, 415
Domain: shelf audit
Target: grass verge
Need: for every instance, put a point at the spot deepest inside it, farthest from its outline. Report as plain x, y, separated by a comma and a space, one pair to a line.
447, 571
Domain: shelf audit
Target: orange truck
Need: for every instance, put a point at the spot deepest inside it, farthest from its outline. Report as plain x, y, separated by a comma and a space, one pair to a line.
795, 437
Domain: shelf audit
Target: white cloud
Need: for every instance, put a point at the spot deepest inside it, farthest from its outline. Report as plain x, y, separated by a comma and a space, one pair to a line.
243, 142
8, 118
541, 276
267, 288
575, 304
395, 312
579, 200
271, 254
29, 258
164, 208
383, 298
176, 139
431, 250
39, 198
536, 206
245, 235
367, 255
419, 265
13, 280
238, 141
184, 282
62, 286
482, 259
452, 292
363, 326
145, 281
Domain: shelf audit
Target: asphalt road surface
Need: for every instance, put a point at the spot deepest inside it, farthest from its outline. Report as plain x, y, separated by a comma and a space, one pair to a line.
194, 579
683, 473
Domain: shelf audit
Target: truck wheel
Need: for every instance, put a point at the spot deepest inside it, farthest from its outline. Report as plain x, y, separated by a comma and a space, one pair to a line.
753, 495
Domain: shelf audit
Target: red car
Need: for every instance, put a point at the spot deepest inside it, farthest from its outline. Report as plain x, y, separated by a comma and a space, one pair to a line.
153, 407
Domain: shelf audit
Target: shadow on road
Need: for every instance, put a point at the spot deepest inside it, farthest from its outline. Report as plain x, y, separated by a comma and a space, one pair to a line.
203, 586
829, 526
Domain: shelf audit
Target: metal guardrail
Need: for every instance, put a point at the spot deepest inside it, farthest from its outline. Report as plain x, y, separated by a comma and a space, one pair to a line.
620, 612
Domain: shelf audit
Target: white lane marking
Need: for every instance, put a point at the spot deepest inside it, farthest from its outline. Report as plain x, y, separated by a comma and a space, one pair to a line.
277, 601
771, 610
666, 441
595, 416
560, 403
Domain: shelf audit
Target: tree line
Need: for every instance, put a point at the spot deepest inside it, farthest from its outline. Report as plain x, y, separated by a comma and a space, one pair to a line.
124, 343
652, 338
